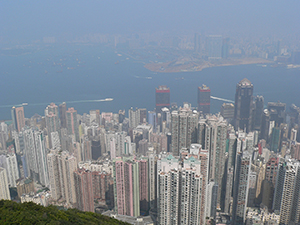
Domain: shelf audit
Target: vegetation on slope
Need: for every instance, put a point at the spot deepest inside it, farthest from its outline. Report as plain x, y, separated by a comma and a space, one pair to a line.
31, 213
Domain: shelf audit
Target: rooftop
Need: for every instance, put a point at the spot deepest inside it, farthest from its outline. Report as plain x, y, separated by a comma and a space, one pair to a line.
245, 82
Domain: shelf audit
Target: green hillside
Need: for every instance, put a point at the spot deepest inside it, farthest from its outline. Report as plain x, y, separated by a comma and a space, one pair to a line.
31, 213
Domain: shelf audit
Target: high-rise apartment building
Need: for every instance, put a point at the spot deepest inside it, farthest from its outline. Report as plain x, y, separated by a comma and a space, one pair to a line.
289, 210
143, 184
84, 190
204, 99
212, 136
72, 123
126, 180
62, 114
168, 197
4, 188
54, 175
61, 167
67, 166
18, 118
162, 98
241, 187
179, 194
152, 181
41, 157
280, 177
184, 128
134, 117
9, 162
35, 151
52, 121
243, 105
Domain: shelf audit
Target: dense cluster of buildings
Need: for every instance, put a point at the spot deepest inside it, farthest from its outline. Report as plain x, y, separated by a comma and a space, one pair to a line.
173, 165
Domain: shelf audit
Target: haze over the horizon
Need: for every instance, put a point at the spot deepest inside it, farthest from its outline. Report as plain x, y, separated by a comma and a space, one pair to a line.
26, 21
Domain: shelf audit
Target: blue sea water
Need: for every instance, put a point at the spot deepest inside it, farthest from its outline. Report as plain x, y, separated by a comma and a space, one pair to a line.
73, 73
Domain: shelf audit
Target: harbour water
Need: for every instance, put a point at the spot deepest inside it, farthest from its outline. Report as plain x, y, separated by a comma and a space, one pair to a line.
80, 74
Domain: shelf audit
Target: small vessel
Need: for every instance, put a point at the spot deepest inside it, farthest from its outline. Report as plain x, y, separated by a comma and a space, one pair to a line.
108, 99
25, 103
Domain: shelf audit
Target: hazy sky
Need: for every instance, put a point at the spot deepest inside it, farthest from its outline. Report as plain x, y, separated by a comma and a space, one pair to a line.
30, 20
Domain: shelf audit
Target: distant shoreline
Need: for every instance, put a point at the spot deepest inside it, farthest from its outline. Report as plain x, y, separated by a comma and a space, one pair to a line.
192, 66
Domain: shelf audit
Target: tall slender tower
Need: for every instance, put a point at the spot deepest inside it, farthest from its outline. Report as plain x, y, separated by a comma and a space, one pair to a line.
62, 115
162, 98
204, 99
287, 195
243, 105
241, 187
72, 124
18, 117
52, 121
258, 112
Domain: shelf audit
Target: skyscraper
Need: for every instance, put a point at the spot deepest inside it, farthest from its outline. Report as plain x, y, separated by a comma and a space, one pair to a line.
204, 99
136, 117
54, 175
72, 124
213, 133
143, 184
126, 180
162, 98
4, 189
84, 190
277, 112
184, 128
258, 112
9, 162
243, 105
241, 187
168, 197
280, 177
18, 117
289, 210
52, 121
62, 115
36, 158
179, 191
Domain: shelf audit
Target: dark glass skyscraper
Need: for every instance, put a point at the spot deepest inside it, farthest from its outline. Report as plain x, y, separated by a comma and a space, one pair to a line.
204, 99
258, 111
243, 105
162, 96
